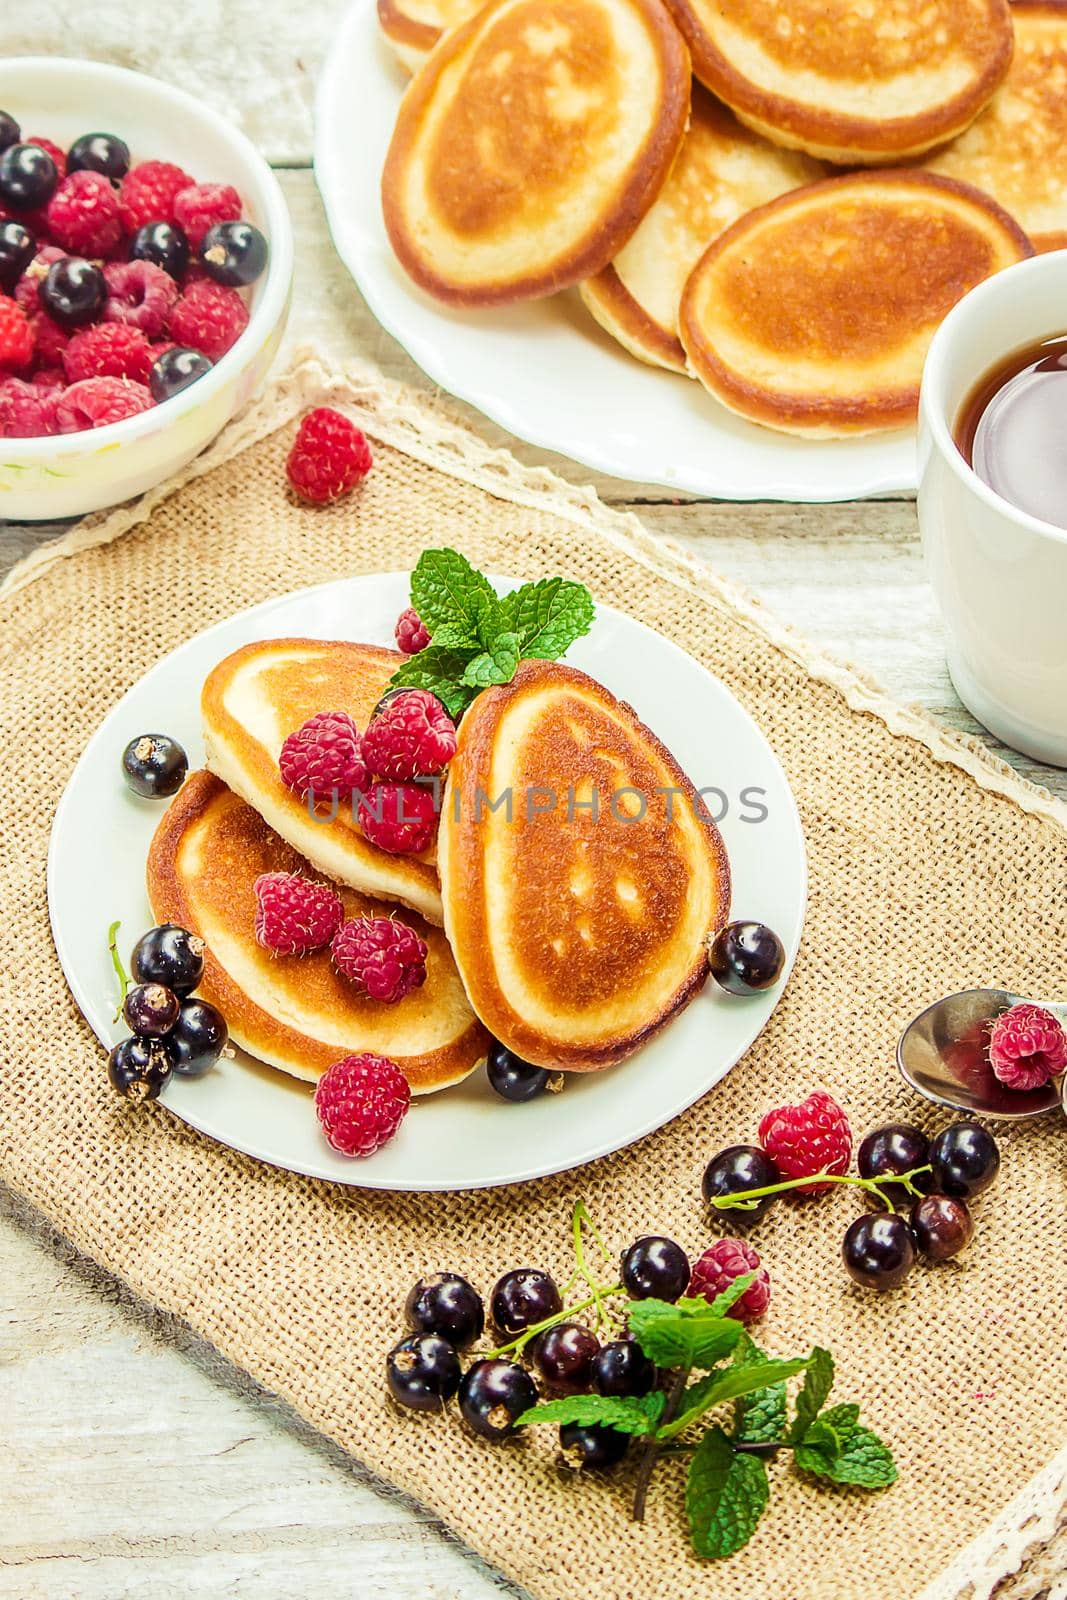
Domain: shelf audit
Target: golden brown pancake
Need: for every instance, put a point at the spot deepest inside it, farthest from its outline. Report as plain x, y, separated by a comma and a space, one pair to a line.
263, 692
530, 146
413, 27
852, 83
297, 1012
814, 313
577, 936
722, 171
1017, 149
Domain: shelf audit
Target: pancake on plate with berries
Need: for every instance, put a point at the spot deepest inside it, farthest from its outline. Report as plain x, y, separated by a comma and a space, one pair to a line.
851, 83
1015, 149
297, 1012
531, 144
814, 314
722, 171
413, 27
253, 700
578, 921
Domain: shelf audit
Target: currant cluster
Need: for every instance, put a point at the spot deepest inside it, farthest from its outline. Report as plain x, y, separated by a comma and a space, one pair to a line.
170, 1029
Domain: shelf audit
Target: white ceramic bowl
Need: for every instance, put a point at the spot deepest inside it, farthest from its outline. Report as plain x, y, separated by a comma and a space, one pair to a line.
1000, 575
70, 474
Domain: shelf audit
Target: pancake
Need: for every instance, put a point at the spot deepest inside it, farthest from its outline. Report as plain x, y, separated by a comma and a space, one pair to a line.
722, 171
413, 27
259, 695
577, 937
1015, 149
813, 314
530, 146
850, 83
295, 1012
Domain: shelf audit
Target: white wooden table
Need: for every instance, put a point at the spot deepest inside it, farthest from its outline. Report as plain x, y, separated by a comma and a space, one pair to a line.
135, 1460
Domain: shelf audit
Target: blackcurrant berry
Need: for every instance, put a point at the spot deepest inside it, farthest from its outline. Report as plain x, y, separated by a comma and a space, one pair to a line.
492, 1394
10, 132
233, 253
174, 371
878, 1250
622, 1368
737, 1169
154, 766
591, 1446
513, 1078
28, 177
942, 1226
139, 1068
746, 957
447, 1305
565, 1356
422, 1372
897, 1147
390, 694
198, 1038
73, 291
17, 249
169, 955
964, 1159
99, 152
655, 1268
521, 1298
151, 1009
163, 244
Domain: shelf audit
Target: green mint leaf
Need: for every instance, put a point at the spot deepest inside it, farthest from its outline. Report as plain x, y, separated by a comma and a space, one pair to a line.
823, 1437
441, 672
447, 591
812, 1397
631, 1414
682, 1335
861, 1460
724, 1496
732, 1293
548, 616
737, 1380
842, 1419
495, 665
759, 1417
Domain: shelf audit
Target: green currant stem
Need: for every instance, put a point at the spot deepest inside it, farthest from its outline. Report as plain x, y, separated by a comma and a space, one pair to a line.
579, 1216
116, 961
517, 1346
746, 1199
653, 1445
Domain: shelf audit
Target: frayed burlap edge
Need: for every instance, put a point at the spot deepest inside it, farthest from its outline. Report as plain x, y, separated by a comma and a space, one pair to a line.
425, 429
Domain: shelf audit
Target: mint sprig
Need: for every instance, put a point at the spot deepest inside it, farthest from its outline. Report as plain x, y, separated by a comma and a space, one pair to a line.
725, 1495
477, 639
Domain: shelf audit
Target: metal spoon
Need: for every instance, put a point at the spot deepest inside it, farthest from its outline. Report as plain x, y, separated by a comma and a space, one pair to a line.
941, 1055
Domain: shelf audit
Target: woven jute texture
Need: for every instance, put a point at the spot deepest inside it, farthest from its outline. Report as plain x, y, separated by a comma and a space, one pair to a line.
931, 868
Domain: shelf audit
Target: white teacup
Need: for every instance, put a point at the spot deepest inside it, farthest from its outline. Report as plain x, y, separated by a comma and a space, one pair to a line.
1000, 575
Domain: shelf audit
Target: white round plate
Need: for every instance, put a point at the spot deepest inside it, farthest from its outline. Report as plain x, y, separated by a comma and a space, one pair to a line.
464, 1137
545, 370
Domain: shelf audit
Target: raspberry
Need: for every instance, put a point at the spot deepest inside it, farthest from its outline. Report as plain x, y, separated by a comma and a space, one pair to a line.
108, 350
26, 412
58, 156
83, 215
412, 736
400, 818
329, 457
208, 317
361, 1102
50, 379
324, 756
97, 402
811, 1137
26, 290
52, 340
148, 193
293, 915
411, 632
139, 293
1027, 1047
717, 1268
383, 958
201, 205
17, 337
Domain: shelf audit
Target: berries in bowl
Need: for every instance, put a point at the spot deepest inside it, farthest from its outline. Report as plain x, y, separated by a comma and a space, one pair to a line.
145, 277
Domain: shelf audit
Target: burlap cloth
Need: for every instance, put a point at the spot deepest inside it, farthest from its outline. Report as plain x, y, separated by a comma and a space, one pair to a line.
931, 868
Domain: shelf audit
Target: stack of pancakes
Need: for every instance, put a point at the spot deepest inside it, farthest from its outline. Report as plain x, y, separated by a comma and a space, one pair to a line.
570, 930
691, 165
